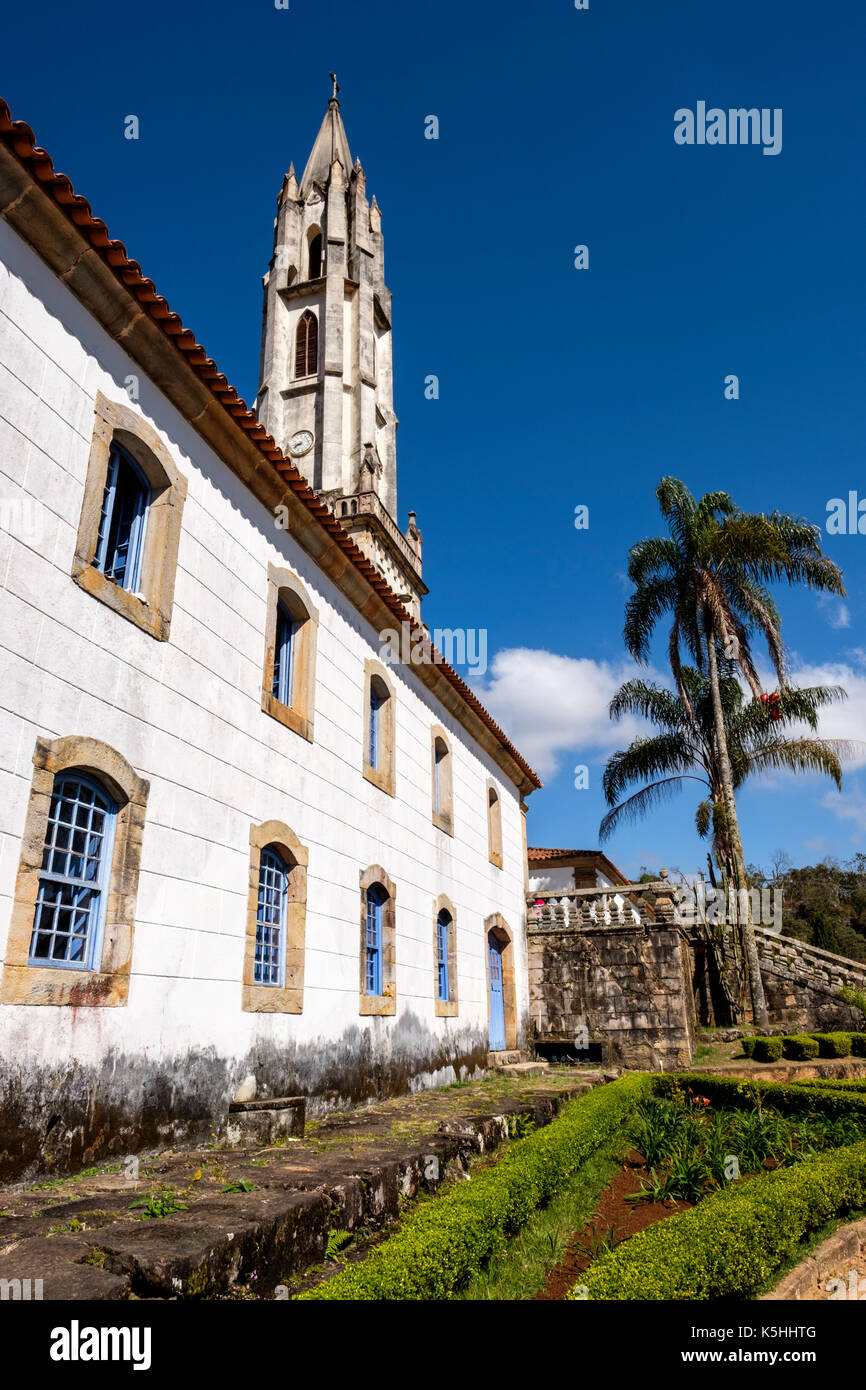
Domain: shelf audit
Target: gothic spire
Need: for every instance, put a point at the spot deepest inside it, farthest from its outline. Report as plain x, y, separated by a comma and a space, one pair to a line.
331, 143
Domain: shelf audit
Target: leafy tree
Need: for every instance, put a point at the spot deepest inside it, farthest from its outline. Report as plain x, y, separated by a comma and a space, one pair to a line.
823, 933
710, 574
685, 749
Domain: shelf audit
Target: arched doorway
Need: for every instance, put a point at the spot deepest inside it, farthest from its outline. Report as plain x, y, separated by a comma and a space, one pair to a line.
497, 996
501, 995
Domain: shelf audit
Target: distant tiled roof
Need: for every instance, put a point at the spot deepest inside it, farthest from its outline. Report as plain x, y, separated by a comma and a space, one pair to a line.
19, 138
540, 855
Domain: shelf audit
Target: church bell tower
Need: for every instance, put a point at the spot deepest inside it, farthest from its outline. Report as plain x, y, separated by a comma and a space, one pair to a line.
326, 390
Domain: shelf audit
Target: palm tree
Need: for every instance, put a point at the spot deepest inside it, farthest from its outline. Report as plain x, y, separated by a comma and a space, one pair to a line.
711, 575
684, 749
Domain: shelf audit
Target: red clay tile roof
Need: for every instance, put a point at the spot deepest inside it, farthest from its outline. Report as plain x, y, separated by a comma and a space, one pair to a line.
19, 138
542, 854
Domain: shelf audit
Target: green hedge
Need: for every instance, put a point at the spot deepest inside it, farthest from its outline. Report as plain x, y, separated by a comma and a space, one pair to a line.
447, 1240
799, 1047
731, 1243
833, 1044
748, 1045
788, 1097
858, 1044
767, 1049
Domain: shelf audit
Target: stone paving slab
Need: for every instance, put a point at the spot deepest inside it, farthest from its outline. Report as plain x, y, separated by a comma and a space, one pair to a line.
352, 1171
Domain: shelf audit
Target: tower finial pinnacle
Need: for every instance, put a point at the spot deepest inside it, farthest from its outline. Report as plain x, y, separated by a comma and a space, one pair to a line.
334, 93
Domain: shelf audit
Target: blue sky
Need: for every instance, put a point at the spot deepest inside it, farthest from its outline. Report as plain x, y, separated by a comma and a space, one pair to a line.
557, 386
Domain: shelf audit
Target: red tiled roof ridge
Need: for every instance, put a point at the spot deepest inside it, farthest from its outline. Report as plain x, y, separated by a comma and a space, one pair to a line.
21, 140
561, 852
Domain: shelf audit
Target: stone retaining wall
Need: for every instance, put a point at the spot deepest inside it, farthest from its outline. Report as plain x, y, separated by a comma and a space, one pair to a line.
629, 986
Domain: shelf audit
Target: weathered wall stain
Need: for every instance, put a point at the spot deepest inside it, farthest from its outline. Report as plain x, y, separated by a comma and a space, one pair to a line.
56, 1119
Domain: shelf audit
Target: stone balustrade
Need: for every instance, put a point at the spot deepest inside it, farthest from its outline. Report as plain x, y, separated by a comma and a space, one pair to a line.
624, 905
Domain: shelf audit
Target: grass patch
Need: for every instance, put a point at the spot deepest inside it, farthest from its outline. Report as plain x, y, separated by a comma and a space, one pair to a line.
525, 1266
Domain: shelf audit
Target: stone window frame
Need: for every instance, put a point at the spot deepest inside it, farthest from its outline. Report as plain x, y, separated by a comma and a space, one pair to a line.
285, 587
444, 817
168, 488
383, 776
445, 1008
107, 986
494, 823
497, 924
288, 998
384, 1004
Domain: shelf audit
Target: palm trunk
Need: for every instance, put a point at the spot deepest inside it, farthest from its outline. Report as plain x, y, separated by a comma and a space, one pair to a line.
750, 949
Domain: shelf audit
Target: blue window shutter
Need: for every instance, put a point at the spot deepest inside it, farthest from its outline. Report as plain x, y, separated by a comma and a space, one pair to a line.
442, 924
376, 702
376, 898
71, 899
284, 644
122, 522
269, 965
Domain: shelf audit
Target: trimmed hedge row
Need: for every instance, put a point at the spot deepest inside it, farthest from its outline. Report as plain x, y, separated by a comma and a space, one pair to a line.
448, 1239
795, 1046
767, 1049
788, 1097
731, 1243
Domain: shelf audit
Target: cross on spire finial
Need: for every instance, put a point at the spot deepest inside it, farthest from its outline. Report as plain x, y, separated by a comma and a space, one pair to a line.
333, 77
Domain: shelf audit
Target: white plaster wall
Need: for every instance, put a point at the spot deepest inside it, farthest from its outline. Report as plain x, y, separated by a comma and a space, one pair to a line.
186, 713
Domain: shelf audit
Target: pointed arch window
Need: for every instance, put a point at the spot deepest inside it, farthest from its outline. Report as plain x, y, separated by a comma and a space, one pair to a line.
76, 862
307, 345
317, 257
120, 543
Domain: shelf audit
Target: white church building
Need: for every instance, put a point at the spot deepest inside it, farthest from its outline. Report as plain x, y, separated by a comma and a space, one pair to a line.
236, 839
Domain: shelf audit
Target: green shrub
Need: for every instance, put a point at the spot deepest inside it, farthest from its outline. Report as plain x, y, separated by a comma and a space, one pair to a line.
446, 1241
733, 1242
854, 996
767, 1049
858, 1044
833, 1044
830, 1098
748, 1045
800, 1048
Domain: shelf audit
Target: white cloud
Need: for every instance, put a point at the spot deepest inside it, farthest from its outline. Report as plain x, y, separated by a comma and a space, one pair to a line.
845, 719
837, 613
553, 705
849, 806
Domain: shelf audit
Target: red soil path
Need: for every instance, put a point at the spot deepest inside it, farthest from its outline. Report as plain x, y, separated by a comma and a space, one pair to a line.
626, 1218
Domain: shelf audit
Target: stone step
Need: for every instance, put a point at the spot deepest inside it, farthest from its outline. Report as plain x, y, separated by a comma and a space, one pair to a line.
505, 1059
524, 1069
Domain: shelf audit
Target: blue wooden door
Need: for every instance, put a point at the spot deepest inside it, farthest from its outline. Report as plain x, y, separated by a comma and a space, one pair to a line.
497, 1001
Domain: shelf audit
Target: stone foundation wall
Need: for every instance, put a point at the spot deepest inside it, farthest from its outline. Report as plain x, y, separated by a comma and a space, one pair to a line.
631, 986
802, 984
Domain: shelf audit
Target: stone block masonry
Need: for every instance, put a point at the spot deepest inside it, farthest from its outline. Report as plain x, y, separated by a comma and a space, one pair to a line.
629, 986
